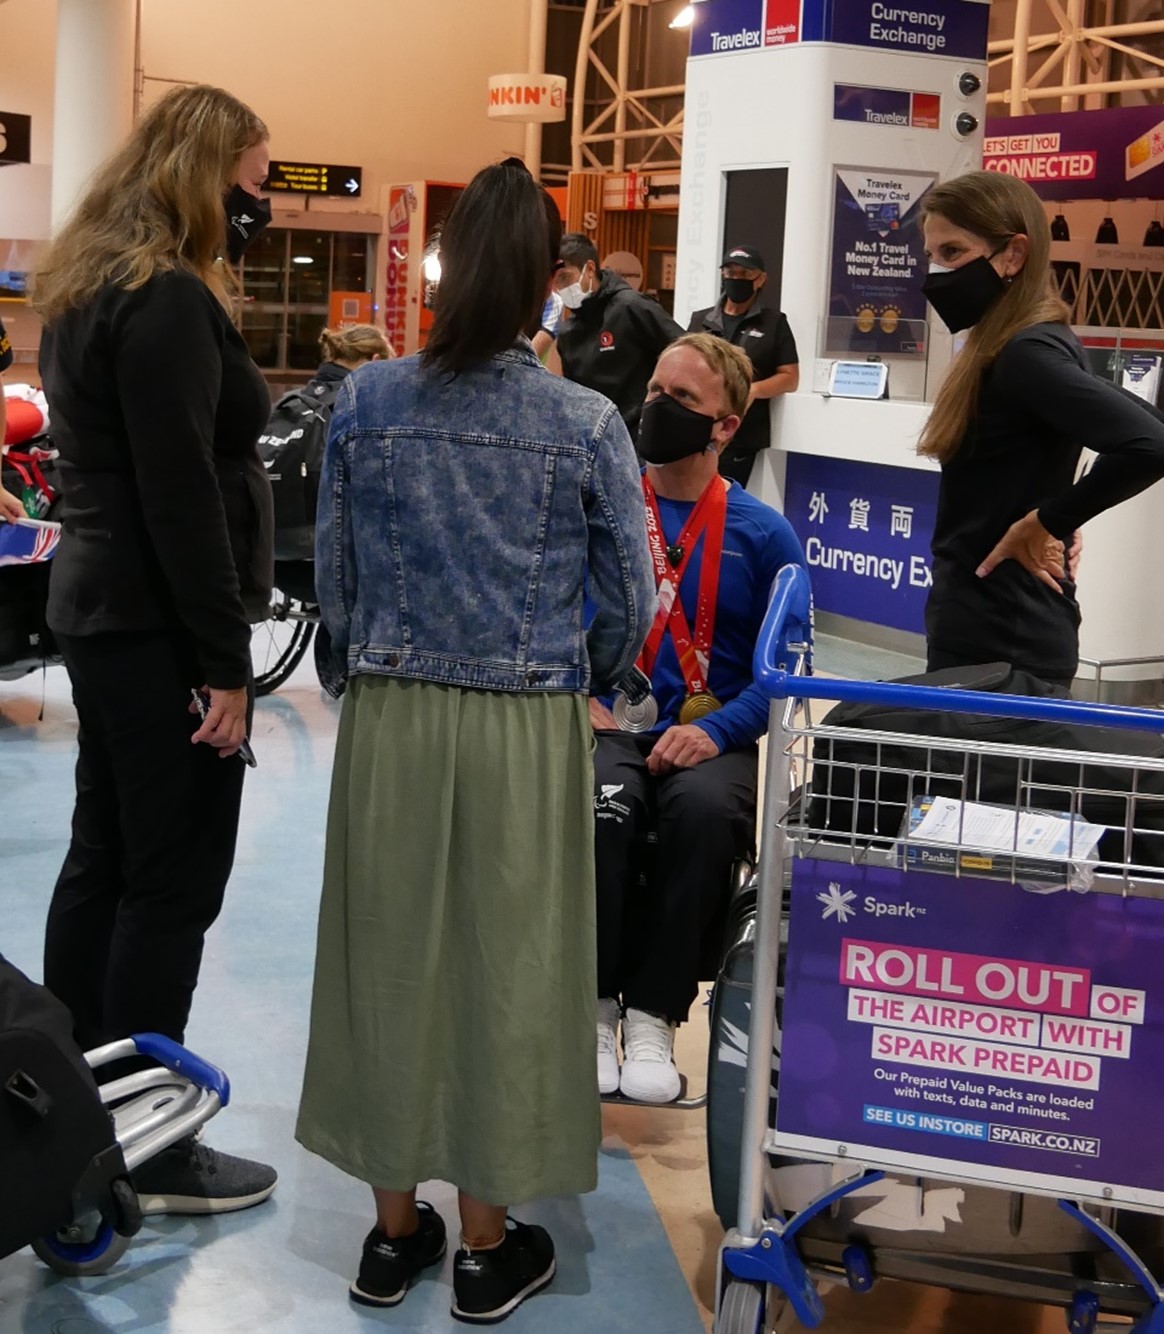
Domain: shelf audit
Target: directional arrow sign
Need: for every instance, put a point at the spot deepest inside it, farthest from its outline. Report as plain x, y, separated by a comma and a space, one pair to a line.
315, 178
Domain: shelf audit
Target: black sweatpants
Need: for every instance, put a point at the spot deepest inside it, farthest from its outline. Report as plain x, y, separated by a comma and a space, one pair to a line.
650, 942
153, 840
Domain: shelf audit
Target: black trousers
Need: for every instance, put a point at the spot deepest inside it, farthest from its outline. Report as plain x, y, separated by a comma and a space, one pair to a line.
650, 941
153, 840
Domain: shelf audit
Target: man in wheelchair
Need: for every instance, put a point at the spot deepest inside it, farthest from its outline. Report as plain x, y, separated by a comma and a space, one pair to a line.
683, 760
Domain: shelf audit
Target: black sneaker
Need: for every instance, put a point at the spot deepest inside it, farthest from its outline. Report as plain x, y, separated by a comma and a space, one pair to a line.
189, 1178
490, 1285
390, 1265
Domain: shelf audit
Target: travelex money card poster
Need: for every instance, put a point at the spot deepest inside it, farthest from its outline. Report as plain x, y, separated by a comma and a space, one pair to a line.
938, 1023
876, 303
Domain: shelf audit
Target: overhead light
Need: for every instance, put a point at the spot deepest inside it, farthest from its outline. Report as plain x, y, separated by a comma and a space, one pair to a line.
684, 19
302, 259
1107, 233
431, 267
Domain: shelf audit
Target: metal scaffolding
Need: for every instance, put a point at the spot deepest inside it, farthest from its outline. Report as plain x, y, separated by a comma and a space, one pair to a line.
1065, 55
636, 128
1075, 61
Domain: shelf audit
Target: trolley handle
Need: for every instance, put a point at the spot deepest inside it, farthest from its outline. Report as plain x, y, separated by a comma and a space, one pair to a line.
787, 629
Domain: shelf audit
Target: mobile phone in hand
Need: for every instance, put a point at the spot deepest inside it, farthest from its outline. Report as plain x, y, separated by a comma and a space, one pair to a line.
245, 753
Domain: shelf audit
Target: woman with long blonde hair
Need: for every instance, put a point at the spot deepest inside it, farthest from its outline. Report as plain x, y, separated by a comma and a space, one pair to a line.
165, 553
1008, 428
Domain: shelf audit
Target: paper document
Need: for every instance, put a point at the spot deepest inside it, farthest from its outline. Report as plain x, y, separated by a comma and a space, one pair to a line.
971, 824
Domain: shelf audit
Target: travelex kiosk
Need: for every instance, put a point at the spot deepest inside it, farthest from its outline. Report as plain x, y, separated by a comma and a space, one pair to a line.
813, 129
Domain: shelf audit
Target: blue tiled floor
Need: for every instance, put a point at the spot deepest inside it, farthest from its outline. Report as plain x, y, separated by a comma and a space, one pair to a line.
284, 1266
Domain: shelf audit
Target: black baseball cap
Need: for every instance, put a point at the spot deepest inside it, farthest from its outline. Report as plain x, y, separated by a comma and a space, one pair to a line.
745, 257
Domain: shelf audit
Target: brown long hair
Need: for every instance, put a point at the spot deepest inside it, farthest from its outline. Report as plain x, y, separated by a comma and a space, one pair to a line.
155, 204
995, 207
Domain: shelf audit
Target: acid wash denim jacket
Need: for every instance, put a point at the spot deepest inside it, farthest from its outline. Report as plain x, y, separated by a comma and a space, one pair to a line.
462, 519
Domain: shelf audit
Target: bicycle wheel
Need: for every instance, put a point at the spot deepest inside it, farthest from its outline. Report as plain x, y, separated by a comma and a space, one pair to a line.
279, 643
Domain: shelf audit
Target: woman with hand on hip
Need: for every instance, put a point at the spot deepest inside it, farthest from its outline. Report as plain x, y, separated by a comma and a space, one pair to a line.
1008, 427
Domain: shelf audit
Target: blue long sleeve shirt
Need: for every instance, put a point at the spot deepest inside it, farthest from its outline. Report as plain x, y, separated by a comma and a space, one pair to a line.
757, 542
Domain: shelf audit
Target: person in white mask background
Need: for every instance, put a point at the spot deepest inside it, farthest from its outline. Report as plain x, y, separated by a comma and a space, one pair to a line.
1008, 427
613, 335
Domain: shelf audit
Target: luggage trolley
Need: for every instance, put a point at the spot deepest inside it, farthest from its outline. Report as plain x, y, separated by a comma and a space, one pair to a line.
967, 1032
150, 1110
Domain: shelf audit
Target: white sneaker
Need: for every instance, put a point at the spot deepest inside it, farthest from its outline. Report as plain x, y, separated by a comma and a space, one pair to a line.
607, 1046
648, 1068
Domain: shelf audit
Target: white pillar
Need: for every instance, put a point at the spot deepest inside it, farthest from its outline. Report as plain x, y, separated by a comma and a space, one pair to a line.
538, 21
93, 101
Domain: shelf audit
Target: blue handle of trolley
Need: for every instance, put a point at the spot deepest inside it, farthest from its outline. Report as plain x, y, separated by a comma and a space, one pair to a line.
177, 1059
788, 624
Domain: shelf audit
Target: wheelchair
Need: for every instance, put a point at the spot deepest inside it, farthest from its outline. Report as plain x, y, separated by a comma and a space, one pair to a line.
717, 941
280, 641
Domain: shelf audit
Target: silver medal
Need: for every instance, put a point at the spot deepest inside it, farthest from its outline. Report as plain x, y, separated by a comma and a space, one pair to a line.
640, 717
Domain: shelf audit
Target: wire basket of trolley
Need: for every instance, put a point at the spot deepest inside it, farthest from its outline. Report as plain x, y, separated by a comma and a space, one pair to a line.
955, 1036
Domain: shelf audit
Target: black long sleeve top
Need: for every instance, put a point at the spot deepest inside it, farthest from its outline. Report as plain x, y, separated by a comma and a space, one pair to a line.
1038, 407
156, 407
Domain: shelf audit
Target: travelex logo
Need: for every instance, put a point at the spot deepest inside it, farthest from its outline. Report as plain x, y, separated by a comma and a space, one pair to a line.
735, 41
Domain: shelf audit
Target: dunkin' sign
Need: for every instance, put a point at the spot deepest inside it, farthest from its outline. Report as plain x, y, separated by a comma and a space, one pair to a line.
527, 97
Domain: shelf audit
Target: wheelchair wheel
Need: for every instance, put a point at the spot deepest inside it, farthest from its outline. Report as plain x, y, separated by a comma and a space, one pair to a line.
279, 643
89, 1246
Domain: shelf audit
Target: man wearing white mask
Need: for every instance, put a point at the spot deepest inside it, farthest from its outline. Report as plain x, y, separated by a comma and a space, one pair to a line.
614, 335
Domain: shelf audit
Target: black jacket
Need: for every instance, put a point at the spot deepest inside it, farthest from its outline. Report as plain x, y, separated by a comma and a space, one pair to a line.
156, 407
766, 337
612, 341
1038, 405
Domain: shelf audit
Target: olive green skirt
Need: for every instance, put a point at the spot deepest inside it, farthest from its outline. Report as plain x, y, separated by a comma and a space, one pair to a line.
453, 1013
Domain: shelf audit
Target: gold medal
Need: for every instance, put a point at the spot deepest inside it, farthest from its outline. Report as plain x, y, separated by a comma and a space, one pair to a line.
698, 706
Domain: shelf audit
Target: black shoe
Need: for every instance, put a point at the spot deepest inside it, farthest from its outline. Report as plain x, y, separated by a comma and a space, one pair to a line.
390, 1265
490, 1285
189, 1178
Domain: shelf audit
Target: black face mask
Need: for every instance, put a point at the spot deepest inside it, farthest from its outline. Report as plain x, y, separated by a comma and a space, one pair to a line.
739, 290
669, 431
962, 296
246, 217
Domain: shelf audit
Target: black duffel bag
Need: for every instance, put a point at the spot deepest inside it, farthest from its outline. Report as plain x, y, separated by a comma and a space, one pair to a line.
58, 1153
864, 787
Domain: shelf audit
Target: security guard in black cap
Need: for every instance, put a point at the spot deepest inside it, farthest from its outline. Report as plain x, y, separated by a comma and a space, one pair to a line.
741, 317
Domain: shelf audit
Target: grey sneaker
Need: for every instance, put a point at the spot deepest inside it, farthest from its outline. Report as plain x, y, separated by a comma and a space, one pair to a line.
189, 1178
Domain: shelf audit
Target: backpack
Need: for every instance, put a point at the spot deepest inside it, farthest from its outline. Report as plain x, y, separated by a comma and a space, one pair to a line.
26, 643
291, 449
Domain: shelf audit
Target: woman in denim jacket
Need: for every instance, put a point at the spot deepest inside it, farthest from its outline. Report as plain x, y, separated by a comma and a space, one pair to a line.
468, 499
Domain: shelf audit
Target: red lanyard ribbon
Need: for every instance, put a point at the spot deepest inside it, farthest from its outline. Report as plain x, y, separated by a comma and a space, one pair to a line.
707, 520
